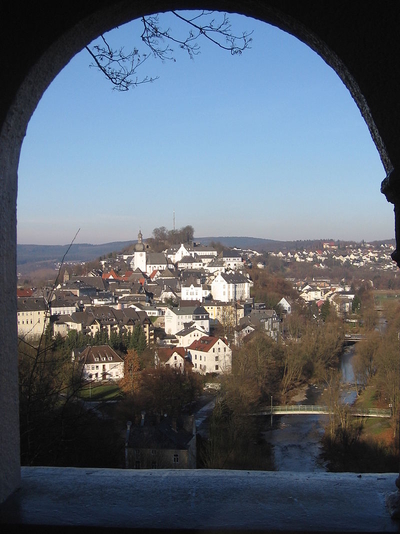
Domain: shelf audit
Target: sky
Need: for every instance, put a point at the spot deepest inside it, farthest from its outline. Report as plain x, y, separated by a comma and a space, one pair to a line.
267, 144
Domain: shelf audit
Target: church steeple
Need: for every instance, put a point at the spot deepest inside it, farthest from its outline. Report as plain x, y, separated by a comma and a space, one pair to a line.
139, 247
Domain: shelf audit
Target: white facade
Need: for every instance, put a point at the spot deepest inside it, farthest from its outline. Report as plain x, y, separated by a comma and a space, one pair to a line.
32, 317
139, 261
177, 318
285, 305
232, 259
187, 336
195, 292
60, 309
101, 363
210, 355
228, 287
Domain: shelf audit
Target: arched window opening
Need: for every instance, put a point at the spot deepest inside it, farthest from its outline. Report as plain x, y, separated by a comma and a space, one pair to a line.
9, 151
268, 144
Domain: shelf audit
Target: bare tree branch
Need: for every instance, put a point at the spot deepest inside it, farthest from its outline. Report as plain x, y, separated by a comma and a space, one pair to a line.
120, 68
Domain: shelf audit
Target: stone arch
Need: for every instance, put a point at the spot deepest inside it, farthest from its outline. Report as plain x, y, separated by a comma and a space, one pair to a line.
38, 44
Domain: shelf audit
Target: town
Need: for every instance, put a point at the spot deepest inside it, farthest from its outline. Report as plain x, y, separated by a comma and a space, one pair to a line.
190, 309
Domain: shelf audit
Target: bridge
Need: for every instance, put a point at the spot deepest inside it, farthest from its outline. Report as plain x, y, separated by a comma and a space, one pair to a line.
353, 338
309, 409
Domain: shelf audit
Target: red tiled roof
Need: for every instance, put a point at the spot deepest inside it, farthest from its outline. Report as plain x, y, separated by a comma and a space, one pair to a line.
204, 344
21, 293
127, 275
111, 274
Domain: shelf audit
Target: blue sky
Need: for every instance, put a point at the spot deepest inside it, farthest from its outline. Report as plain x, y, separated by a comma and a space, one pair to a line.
267, 144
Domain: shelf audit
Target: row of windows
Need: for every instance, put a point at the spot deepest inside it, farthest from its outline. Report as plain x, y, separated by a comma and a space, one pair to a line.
204, 367
27, 321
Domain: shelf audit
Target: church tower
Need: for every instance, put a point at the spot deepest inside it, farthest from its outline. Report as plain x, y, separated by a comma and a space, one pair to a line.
139, 256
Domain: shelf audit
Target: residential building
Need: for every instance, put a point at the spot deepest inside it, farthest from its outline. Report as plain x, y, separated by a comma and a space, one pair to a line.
232, 259
180, 317
156, 261
174, 357
285, 305
100, 363
193, 289
33, 316
210, 355
224, 313
186, 336
156, 442
230, 287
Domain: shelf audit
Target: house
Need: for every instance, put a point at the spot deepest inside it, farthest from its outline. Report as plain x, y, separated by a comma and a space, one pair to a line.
343, 302
230, 287
232, 259
33, 316
62, 306
177, 252
285, 305
224, 313
189, 334
210, 355
193, 289
177, 318
156, 261
97, 319
265, 320
157, 442
190, 263
310, 294
171, 357
241, 331
100, 363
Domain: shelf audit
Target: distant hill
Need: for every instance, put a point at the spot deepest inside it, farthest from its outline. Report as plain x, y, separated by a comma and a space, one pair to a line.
257, 243
55, 253
86, 252
40, 256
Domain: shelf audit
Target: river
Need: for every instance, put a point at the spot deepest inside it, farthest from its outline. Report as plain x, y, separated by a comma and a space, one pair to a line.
296, 439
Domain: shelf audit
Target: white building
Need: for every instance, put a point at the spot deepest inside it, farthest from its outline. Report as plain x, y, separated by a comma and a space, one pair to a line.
171, 357
285, 305
100, 363
188, 335
232, 259
156, 261
230, 287
210, 355
177, 319
32, 316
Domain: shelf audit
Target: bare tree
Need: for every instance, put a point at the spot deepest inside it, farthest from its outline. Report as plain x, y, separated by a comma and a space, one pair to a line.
121, 67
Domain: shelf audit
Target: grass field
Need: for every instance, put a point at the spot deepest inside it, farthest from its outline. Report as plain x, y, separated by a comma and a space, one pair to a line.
100, 392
